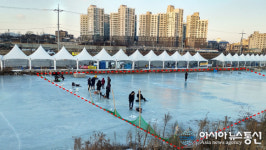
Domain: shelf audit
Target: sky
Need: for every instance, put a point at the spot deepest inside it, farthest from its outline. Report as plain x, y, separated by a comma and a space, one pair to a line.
227, 18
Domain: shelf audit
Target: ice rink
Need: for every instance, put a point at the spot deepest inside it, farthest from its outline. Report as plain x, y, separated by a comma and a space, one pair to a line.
34, 114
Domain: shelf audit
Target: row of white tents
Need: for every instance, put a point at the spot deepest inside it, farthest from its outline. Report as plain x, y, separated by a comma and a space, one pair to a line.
63, 55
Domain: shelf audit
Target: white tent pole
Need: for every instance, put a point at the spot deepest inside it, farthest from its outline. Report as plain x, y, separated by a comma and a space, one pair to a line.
30, 63
77, 64
163, 64
54, 64
187, 64
98, 65
175, 64
198, 64
149, 64
116, 64
133, 65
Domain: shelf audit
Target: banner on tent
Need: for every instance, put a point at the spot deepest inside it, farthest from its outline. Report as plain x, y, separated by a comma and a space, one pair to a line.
203, 64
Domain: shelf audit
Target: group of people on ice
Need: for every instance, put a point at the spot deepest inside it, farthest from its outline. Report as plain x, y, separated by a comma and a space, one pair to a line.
100, 85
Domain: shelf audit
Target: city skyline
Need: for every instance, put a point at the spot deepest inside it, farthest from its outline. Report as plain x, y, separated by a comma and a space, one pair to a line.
246, 16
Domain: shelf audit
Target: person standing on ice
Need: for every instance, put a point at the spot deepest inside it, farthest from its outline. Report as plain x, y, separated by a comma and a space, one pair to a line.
103, 82
131, 99
108, 80
93, 80
186, 74
99, 85
108, 89
89, 83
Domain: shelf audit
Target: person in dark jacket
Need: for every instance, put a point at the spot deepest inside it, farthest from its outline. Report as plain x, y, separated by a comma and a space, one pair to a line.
89, 83
186, 74
93, 80
108, 89
99, 85
108, 80
131, 99
141, 97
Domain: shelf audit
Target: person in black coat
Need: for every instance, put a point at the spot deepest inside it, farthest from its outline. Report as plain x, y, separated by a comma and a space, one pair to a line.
99, 85
141, 97
89, 83
131, 99
108, 89
186, 74
93, 80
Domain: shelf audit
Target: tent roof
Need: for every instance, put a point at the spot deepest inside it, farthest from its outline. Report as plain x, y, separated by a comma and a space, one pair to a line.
188, 57
253, 58
221, 58
242, 57
137, 56
151, 56
40, 53
236, 57
84, 55
165, 57
120, 55
63, 54
177, 57
229, 57
198, 57
103, 55
262, 58
248, 58
15, 53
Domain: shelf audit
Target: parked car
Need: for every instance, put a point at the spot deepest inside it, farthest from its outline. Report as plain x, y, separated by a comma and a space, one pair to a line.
50, 52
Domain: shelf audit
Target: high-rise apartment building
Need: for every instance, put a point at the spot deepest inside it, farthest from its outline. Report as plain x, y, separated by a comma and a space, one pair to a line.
257, 41
106, 27
95, 21
123, 26
84, 26
196, 31
164, 29
92, 24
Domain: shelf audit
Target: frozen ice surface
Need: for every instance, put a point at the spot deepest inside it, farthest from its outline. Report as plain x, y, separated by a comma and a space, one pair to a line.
35, 114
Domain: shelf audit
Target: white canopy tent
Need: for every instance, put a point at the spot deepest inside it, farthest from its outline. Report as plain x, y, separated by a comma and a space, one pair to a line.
151, 56
229, 58
177, 57
15, 54
253, 58
83, 55
248, 59
63, 54
242, 57
164, 56
103, 55
136, 56
120, 55
221, 58
188, 57
39, 54
199, 58
237, 59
